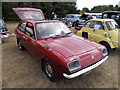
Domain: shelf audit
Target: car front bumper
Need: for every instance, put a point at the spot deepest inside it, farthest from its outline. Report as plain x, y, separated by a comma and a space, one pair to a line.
70, 76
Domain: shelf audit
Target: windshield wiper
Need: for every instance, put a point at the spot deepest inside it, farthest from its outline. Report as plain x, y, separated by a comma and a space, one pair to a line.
68, 33
58, 35
52, 36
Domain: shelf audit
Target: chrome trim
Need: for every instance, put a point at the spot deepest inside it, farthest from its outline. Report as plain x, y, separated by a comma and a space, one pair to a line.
85, 70
114, 41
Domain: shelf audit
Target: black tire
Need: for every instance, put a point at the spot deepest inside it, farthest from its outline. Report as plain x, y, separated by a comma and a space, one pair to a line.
17, 41
21, 47
107, 46
50, 72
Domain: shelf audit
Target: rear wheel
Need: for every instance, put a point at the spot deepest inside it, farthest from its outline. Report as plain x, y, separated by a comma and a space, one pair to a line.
17, 41
50, 72
21, 47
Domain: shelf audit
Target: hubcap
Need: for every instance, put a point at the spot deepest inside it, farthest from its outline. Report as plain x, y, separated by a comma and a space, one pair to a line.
20, 46
48, 70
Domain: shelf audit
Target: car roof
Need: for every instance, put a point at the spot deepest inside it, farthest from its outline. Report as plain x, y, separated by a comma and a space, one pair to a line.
74, 14
115, 12
102, 20
41, 21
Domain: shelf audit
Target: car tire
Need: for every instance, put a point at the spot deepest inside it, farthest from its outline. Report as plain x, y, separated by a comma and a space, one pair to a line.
17, 41
107, 46
21, 47
50, 72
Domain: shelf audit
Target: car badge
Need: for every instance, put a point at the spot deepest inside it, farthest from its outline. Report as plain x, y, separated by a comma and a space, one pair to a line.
93, 57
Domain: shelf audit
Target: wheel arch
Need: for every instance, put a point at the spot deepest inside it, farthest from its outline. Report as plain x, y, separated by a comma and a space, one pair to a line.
109, 43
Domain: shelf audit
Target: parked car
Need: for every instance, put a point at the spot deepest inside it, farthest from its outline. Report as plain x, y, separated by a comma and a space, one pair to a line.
65, 21
112, 15
74, 17
61, 53
103, 31
4, 33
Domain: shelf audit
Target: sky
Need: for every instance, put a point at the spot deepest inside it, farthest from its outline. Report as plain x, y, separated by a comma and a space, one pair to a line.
91, 3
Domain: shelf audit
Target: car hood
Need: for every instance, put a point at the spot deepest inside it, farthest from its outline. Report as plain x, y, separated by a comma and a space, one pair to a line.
71, 45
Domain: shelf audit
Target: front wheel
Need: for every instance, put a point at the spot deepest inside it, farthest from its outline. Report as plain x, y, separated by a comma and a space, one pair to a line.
21, 47
49, 71
107, 46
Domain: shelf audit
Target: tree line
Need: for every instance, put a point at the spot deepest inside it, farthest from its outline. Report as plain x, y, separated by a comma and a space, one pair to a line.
59, 8
102, 8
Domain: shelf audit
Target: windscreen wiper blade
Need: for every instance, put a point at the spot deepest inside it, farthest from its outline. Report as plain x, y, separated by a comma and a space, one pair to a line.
52, 36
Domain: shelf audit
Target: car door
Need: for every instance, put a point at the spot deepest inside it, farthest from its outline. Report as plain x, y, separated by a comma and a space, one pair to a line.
99, 31
31, 42
93, 30
87, 30
29, 38
20, 32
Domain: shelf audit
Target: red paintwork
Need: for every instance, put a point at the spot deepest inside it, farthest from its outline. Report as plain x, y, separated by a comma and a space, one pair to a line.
62, 50
28, 16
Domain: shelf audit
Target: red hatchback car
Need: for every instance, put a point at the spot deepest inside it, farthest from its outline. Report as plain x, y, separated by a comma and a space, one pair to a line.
62, 54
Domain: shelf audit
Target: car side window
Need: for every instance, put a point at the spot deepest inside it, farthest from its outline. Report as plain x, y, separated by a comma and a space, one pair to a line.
98, 25
90, 24
95, 25
21, 27
71, 16
30, 30
67, 16
87, 24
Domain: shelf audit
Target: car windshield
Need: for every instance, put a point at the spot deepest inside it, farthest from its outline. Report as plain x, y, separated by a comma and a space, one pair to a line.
51, 29
111, 25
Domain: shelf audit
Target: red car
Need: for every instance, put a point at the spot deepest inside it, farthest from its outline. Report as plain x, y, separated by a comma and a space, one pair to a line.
62, 54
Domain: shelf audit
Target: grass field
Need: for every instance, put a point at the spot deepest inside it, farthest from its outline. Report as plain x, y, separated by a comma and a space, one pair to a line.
21, 70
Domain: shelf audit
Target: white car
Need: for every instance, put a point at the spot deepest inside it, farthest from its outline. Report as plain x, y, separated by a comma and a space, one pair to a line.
4, 33
74, 17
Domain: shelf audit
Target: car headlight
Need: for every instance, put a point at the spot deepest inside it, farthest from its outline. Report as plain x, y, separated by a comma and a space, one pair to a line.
74, 65
105, 52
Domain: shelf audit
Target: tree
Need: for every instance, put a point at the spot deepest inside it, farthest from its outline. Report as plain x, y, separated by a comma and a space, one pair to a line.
103, 8
85, 9
60, 8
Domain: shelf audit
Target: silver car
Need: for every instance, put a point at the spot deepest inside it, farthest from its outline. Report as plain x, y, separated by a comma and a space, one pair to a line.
74, 17
3, 30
